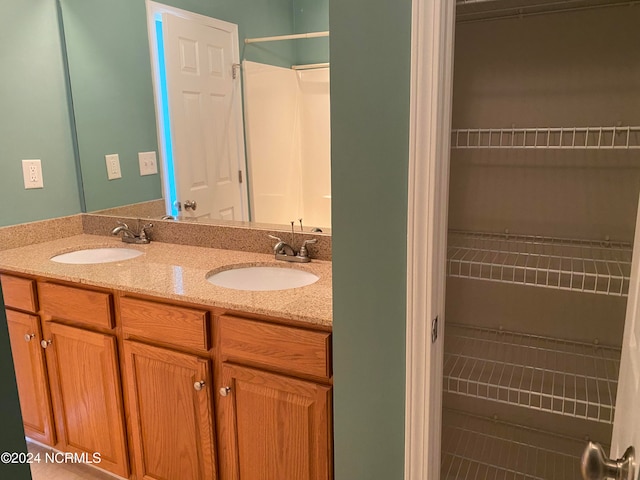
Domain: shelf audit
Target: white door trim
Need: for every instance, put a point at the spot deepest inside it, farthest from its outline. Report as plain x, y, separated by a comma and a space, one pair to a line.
433, 24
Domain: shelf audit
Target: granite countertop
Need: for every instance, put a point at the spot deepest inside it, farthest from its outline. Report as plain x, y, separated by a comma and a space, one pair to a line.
178, 272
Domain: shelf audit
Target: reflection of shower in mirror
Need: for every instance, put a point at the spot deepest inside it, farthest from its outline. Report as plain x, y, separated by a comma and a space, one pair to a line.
288, 143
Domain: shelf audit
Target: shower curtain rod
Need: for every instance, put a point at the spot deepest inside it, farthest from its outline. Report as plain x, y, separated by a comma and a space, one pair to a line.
295, 36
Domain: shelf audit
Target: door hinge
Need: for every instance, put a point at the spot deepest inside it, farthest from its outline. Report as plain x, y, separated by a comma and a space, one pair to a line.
235, 68
434, 330
240, 176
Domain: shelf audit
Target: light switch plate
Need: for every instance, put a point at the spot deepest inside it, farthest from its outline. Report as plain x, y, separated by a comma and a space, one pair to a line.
148, 163
113, 166
32, 174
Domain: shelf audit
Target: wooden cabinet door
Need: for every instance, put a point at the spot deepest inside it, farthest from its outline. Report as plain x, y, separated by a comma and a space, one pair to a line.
171, 413
85, 384
31, 377
274, 427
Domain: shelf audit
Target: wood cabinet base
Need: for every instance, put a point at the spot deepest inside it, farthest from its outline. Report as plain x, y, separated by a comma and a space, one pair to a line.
31, 376
275, 427
170, 405
85, 384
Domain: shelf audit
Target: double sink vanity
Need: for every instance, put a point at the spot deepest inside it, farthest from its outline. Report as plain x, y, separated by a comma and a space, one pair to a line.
173, 361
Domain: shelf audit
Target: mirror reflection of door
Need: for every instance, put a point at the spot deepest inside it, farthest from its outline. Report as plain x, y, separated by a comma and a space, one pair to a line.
200, 116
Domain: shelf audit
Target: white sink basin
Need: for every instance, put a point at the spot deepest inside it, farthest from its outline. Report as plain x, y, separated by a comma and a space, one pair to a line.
262, 278
97, 255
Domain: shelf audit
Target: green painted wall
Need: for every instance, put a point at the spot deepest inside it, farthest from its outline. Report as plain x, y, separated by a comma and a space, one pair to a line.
370, 74
110, 71
35, 121
311, 16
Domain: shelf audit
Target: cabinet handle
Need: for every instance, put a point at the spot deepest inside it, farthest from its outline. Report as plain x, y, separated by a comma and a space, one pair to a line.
224, 391
199, 385
29, 336
45, 343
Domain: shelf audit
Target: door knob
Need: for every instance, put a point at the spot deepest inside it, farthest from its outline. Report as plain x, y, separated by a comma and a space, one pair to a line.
28, 337
595, 465
199, 385
45, 343
224, 391
190, 205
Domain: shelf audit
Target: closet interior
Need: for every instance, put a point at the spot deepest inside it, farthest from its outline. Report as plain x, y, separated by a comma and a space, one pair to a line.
544, 185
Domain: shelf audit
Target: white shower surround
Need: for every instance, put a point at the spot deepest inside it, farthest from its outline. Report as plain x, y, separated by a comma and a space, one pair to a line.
287, 125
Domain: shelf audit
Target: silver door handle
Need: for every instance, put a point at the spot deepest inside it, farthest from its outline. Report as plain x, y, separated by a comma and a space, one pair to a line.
190, 205
595, 465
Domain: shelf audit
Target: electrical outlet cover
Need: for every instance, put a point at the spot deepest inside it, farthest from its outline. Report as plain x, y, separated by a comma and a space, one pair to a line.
113, 166
148, 163
32, 174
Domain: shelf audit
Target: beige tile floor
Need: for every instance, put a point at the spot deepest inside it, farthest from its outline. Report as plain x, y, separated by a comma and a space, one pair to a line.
62, 471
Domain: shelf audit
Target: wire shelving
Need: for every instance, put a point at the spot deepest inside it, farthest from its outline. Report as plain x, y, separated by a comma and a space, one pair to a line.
566, 264
479, 448
567, 138
559, 376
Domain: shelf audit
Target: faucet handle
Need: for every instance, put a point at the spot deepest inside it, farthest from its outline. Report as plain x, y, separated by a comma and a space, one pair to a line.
143, 231
273, 237
303, 249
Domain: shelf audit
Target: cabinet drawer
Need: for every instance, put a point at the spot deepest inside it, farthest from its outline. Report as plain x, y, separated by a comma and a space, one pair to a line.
76, 304
185, 327
19, 293
287, 348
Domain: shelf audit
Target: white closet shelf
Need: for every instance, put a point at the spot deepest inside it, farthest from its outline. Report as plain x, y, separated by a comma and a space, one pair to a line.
563, 138
474, 10
565, 264
558, 376
475, 447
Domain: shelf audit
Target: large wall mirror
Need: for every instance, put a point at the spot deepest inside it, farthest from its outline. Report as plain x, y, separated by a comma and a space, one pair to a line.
239, 123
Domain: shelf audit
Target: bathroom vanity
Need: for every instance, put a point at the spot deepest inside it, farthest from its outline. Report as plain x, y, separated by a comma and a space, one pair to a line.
165, 375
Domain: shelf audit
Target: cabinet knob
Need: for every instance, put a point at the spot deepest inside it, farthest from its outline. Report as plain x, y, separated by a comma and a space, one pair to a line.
29, 336
45, 343
224, 391
199, 385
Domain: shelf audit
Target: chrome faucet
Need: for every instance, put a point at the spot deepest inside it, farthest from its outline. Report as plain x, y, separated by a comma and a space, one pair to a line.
283, 251
129, 236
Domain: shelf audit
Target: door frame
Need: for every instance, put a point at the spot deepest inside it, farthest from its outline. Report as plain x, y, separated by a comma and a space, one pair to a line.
432, 40
153, 10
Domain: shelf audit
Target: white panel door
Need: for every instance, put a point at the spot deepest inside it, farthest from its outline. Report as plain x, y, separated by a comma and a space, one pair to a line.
626, 424
205, 116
